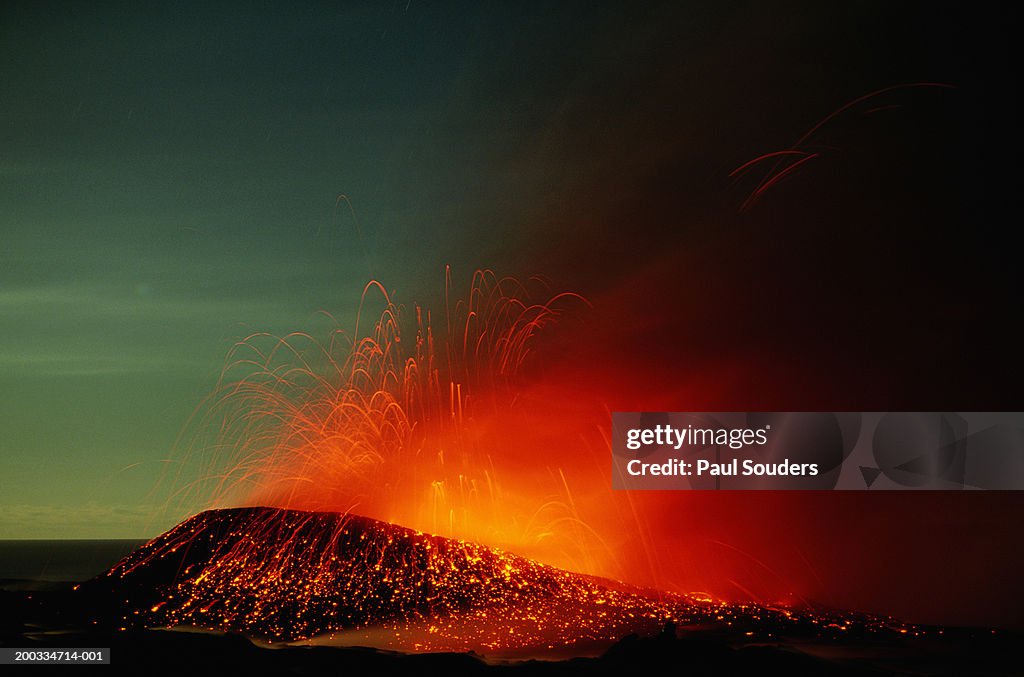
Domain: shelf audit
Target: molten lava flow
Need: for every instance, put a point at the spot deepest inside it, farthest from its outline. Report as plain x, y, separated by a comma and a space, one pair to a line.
292, 575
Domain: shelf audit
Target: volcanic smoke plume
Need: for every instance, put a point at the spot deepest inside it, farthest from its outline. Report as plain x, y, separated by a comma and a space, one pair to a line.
285, 575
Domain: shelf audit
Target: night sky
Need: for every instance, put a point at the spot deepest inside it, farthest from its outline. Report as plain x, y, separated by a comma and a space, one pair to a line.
171, 181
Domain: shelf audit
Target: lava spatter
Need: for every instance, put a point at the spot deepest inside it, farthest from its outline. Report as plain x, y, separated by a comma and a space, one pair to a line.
286, 575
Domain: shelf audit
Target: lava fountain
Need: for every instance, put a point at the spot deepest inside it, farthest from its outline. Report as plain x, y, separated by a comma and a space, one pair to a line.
430, 428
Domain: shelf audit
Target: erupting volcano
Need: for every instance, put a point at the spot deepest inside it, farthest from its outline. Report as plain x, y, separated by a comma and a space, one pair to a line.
371, 491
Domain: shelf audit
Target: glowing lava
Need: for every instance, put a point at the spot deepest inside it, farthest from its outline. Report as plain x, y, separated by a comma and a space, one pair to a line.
284, 575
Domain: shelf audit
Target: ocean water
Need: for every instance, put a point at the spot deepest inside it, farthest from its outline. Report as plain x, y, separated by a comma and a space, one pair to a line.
59, 561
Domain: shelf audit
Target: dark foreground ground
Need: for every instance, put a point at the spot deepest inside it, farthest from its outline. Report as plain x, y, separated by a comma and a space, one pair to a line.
50, 615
